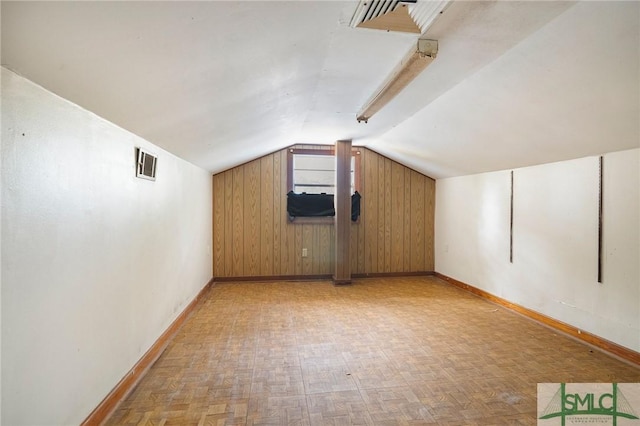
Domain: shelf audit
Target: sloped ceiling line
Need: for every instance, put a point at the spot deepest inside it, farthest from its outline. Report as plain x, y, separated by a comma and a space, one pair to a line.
217, 96
544, 100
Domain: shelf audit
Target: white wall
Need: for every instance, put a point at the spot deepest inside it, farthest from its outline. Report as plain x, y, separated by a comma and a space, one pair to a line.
554, 271
96, 263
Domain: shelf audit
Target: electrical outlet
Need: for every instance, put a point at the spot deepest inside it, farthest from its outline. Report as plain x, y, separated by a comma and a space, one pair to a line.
304, 252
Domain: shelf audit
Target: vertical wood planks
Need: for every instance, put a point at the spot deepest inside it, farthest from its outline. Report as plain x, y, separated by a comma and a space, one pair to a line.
218, 224
251, 218
287, 249
253, 237
360, 224
307, 242
238, 222
228, 223
326, 243
381, 213
406, 259
353, 245
277, 212
429, 224
297, 252
343, 213
315, 258
387, 215
417, 221
399, 238
266, 215
370, 200
397, 218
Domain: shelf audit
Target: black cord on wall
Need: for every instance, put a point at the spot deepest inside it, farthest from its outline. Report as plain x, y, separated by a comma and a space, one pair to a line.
600, 203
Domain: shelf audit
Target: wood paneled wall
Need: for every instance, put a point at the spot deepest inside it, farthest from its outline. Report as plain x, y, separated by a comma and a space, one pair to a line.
252, 236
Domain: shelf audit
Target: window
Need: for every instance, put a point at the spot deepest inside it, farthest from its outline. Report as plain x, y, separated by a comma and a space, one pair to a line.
311, 180
313, 171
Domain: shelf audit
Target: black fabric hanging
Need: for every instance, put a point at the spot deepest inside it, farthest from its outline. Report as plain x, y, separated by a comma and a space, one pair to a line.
355, 206
318, 205
310, 205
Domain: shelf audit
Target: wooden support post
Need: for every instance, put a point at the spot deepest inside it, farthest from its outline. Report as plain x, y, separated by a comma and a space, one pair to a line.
342, 273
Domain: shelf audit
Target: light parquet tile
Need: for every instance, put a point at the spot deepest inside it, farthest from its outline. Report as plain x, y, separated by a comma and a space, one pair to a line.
323, 379
402, 351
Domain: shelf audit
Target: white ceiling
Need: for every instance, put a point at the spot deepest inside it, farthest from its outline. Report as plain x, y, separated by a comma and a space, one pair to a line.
220, 83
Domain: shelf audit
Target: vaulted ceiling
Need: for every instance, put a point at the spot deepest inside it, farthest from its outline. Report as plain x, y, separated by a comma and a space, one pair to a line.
220, 83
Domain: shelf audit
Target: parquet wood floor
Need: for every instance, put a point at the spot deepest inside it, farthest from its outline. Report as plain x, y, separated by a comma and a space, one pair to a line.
400, 351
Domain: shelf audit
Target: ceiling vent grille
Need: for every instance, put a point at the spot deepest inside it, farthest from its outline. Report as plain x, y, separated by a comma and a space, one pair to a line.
413, 16
424, 13
370, 9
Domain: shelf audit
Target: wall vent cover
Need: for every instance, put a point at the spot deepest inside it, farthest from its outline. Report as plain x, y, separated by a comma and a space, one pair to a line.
146, 164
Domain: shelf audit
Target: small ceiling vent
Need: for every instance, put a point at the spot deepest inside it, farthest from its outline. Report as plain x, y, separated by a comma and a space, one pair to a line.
409, 16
